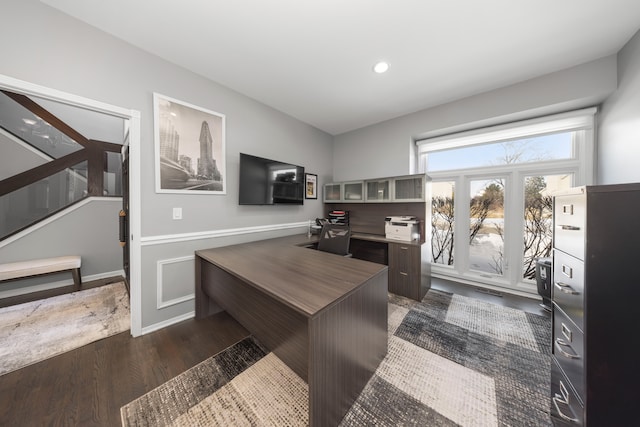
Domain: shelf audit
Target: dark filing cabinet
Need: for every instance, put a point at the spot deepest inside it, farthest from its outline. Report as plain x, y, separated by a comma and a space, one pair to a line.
405, 276
596, 306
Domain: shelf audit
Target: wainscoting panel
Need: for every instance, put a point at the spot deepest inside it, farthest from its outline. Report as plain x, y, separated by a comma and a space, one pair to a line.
168, 268
175, 275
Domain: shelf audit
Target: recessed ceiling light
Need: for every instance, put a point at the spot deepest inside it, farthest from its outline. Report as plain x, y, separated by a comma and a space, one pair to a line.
381, 67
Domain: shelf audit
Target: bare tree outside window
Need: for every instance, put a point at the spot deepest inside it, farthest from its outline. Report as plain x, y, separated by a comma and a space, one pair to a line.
503, 251
538, 219
442, 222
487, 207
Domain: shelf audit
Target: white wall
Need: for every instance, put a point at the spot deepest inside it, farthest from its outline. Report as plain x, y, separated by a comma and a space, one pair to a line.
619, 134
386, 149
42, 46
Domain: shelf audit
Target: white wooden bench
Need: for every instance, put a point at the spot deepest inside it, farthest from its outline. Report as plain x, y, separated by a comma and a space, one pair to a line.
37, 267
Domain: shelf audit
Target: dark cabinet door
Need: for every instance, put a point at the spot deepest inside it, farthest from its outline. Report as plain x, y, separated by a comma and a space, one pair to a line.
404, 270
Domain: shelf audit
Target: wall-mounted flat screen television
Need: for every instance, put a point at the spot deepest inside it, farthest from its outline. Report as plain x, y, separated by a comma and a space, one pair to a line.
270, 182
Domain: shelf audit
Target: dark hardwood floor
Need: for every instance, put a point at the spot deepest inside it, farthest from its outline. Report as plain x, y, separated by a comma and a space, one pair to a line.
89, 385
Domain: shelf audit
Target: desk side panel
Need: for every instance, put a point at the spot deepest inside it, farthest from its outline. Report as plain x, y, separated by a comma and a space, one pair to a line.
278, 327
205, 306
348, 341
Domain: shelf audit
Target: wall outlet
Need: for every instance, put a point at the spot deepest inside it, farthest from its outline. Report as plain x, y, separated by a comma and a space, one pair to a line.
177, 213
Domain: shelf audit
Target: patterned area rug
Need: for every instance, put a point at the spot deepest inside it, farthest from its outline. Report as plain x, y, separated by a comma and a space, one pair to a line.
35, 331
452, 361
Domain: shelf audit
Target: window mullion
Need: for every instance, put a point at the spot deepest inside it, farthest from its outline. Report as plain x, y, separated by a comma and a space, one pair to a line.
461, 225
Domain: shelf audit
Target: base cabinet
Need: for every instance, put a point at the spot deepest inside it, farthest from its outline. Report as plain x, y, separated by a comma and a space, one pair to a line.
594, 367
409, 275
405, 271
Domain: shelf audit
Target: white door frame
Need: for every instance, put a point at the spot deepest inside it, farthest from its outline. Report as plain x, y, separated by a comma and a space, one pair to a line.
135, 260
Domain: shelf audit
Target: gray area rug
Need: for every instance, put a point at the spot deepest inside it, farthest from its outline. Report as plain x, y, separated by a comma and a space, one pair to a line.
452, 361
35, 331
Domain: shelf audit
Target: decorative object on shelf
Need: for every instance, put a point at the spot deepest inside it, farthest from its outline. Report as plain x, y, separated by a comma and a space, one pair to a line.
189, 148
311, 186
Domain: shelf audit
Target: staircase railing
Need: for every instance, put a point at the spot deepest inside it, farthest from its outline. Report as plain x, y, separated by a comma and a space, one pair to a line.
71, 167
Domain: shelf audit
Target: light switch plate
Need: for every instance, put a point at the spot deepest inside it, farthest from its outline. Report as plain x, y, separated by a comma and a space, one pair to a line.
177, 213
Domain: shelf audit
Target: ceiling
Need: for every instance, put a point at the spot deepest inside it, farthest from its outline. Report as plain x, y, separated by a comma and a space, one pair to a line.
313, 59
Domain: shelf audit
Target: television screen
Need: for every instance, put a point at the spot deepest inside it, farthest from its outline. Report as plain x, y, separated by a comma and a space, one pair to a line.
270, 182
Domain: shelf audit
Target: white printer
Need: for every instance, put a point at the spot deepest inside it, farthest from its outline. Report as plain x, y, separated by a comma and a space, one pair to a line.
402, 228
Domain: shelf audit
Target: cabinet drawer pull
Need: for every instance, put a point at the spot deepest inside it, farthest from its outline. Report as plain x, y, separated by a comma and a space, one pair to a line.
403, 273
567, 209
567, 271
563, 287
559, 344
567, 332
558, 399
569, 227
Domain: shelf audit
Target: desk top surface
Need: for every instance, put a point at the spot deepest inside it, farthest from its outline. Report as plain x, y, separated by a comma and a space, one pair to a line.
305, 279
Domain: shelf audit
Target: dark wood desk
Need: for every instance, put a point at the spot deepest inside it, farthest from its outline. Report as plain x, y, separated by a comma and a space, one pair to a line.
324, 315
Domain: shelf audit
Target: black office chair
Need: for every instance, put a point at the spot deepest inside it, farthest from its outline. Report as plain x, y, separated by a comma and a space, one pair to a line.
335, 238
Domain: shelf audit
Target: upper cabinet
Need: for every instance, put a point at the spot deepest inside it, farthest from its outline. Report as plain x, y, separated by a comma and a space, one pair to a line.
332, 193
352, 191
378, 190
342, 192
408, 188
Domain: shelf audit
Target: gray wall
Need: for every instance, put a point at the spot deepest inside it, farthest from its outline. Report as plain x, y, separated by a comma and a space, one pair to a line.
15, 157
619, 135
59, 52
386, 149
75, 233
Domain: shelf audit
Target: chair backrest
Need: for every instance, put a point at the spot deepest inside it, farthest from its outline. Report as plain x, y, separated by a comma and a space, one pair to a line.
335, 238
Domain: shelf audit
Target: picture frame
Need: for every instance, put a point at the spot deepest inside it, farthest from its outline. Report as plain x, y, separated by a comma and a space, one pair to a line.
310, 186
189, 148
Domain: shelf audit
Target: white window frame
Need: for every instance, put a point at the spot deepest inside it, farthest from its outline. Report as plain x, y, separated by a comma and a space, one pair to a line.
581, 165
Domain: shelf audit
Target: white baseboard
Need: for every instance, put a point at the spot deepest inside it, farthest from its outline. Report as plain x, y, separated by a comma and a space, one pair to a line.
168, 322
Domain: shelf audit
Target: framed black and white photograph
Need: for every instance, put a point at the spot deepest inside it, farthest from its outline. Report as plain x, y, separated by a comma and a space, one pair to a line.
311, 186
189, 148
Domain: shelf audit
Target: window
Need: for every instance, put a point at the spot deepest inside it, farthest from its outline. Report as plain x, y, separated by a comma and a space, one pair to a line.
557, 146
537, 231
501, 179
486, 225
